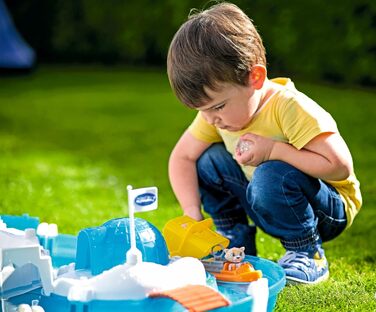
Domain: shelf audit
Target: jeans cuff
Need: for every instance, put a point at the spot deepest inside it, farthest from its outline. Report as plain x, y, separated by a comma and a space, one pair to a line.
227, 222
308, 243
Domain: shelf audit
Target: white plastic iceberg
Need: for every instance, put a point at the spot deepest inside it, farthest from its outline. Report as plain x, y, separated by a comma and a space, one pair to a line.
131, 282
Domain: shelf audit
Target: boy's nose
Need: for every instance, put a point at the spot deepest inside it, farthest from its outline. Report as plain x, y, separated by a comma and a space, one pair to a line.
212, 119
215, 122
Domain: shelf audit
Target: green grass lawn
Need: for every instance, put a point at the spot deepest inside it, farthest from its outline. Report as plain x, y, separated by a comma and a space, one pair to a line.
72, 139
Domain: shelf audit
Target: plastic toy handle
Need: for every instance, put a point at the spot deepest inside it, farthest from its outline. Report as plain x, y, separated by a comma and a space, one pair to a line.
201, 225
215, 254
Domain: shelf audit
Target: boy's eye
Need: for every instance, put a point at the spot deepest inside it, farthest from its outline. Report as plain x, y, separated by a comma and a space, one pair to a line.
219, 107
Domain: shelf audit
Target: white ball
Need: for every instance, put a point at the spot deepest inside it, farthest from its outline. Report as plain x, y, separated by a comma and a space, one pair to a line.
24, 308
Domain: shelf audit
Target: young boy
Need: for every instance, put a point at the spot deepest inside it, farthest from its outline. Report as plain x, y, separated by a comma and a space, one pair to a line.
257, 147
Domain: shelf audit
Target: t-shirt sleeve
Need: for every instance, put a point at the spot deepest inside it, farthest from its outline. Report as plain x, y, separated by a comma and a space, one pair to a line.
204, 131
302, 119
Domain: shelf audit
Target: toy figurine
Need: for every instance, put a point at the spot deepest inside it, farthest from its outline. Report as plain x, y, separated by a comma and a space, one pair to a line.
230, 267
234, 257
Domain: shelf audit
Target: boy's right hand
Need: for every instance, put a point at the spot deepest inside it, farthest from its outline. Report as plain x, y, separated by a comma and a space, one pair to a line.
183, 174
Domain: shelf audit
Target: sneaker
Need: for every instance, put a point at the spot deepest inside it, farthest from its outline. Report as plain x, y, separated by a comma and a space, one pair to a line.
301, 267
242, 235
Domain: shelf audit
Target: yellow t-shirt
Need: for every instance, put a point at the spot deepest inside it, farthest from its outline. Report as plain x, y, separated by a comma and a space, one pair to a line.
288, 116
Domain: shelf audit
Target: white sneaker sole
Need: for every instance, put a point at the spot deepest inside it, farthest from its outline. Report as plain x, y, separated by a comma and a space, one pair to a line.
294, 281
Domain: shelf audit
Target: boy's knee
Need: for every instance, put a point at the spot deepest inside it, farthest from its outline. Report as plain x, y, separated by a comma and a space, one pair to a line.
266, 184
210, 155
210, 162
268, 174
274, 168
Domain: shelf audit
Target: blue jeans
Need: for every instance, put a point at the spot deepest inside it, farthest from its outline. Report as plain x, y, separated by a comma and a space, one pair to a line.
284, 202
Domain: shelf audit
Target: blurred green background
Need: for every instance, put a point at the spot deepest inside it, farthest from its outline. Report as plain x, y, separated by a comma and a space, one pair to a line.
331, 40
97, 113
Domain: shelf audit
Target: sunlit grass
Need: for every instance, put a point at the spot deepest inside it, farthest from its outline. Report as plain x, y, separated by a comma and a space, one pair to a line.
72, 139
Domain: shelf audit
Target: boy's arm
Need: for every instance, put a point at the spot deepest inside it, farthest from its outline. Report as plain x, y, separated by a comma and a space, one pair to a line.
326, 156
183, 173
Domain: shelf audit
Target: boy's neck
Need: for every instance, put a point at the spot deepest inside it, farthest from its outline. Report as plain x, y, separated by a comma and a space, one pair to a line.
267, 90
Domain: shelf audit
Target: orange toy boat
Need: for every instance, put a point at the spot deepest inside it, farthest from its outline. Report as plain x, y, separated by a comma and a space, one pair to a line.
232, 272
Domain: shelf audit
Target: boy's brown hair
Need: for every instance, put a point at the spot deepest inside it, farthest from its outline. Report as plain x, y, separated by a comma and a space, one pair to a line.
217, 45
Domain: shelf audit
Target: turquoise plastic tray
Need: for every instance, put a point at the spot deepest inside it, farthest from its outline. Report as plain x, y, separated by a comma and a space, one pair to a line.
63, 251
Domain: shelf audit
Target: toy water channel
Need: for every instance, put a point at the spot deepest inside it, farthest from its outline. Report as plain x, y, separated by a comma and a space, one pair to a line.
98, 250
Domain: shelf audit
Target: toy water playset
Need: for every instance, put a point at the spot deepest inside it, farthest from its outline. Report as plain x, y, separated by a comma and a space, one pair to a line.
126, 264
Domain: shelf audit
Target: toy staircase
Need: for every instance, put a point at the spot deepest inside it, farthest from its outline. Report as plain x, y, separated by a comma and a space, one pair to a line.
195, 298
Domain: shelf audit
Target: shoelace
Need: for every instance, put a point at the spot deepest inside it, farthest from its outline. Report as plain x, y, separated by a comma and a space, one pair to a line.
295, 259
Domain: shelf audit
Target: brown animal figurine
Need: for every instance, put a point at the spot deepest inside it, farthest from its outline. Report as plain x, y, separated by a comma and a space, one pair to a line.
234, 257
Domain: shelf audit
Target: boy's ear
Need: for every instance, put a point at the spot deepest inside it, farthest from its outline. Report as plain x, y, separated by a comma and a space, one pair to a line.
257, 76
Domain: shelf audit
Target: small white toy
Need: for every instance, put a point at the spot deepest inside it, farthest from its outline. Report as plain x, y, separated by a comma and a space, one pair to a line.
24, 308
35, 307
243, 146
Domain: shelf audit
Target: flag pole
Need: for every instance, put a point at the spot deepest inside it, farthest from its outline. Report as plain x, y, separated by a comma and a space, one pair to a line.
134, 255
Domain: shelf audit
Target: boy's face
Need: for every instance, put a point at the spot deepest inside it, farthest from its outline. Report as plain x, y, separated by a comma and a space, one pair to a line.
232, 107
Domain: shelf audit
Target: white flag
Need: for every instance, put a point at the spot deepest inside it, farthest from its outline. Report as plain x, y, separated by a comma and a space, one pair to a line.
143, 199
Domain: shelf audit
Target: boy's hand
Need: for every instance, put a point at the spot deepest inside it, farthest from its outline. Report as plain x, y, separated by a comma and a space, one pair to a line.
194, 214
253, 149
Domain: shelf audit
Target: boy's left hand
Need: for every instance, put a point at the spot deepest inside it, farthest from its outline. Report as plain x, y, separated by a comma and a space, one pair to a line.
258, 150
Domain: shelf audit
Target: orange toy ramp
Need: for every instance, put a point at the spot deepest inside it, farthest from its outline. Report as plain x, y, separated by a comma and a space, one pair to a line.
195, 298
